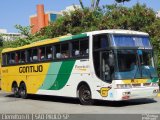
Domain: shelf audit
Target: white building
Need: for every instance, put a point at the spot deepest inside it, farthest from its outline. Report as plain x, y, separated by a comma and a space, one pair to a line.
9, 36
71, 8
158, 14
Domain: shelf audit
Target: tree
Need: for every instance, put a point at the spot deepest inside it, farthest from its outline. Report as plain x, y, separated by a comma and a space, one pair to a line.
1, 41
24, 30
94, 4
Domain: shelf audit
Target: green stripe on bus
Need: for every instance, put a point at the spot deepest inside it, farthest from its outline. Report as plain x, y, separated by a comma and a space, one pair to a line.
153, 80
74, 37
66, 38
51, 75
63, 75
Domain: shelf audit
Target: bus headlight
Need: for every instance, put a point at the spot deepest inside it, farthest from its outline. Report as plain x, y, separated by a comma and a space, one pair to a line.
155, 84
123, 86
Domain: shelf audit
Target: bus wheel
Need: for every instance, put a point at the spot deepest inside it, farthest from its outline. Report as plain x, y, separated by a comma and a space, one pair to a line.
23, 90
85, 96
15, 90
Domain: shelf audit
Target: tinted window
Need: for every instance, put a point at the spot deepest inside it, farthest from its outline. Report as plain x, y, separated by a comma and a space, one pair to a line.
65, 50
17, 57
80, 48
12, 58
84, 47
57, 51
35, 54
75, 48
100, 41
4, 59
49, 52
29, 55
22, 57
41, 54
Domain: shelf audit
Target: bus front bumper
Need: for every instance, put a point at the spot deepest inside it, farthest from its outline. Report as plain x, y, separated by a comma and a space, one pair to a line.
136, 93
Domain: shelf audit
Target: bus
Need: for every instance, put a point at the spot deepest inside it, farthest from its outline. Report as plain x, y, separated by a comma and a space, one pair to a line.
112, 65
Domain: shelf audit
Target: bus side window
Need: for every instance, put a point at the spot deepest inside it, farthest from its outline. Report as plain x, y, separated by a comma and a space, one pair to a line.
100, 41
35, 54
22, 57
84, 47
65, 50
12, 58
17, 57
4, 58
41, 54
49, 51
57, 51
29, 55
8, 58
75, 48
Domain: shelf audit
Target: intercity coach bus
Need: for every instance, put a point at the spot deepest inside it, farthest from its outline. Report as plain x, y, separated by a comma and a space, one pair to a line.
111, 65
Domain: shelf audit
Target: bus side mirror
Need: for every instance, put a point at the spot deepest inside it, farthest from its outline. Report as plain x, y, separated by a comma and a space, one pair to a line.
111, 59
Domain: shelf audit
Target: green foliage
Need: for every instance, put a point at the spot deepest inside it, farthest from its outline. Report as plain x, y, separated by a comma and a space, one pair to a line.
95, 3
1, 41
24, 31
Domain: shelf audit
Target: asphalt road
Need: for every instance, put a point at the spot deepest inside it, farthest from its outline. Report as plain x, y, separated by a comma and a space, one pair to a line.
51, 104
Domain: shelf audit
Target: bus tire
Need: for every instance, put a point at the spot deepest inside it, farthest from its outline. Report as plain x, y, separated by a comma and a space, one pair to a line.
85, 96
15, 90
23, 90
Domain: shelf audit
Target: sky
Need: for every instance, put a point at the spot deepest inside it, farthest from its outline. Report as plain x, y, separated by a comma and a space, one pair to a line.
14, 12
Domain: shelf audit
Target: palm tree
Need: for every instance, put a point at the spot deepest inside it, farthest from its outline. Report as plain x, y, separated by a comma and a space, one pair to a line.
94, 4
81, 3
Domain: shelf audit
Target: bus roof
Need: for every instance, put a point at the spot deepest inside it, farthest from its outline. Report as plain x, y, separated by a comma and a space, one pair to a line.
118, 31
70, 37
45, 42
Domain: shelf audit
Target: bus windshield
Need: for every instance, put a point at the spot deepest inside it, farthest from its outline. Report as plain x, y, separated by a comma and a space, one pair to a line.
133, 64
131, 41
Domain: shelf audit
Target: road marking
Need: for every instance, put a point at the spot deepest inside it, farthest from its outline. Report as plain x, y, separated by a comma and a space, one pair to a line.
158, 95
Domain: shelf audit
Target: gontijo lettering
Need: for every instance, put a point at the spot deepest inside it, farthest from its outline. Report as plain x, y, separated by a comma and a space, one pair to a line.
30, 69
